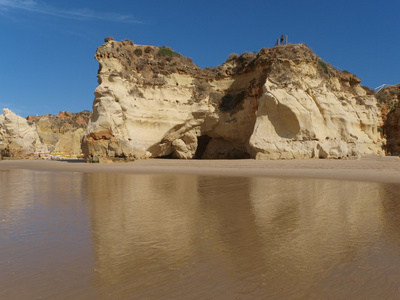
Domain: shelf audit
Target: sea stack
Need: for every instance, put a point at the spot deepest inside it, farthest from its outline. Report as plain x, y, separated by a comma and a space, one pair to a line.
279, 103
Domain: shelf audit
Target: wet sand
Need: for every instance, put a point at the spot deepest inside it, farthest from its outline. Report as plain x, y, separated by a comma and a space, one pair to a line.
368, 168
72, 230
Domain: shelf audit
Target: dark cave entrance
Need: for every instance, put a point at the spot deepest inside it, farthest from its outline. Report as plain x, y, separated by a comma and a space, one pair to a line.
202, 142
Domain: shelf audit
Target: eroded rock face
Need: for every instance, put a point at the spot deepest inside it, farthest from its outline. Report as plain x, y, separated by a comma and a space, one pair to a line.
280, 103
389, 99
61, 133
18, 138
392, 131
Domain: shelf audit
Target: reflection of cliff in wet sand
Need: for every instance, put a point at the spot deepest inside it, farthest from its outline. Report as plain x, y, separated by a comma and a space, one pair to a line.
151, 235
44, 240
181, 235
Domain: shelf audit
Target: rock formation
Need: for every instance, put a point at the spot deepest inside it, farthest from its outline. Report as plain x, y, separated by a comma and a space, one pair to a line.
388, 100
23, 138
61, 133
18, 138
280, 103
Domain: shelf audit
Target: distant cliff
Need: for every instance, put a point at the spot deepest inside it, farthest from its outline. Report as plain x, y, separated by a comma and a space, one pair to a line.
18, 138
61, 133
26, 138
388, 100
279, 103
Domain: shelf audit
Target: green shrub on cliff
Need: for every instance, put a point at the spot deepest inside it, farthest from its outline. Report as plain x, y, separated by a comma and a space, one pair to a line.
168, 52
324, 66
138, 52
382, 97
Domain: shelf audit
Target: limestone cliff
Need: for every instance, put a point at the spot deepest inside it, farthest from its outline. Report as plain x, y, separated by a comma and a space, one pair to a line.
18, 138
280, 103
388, 100
61, 133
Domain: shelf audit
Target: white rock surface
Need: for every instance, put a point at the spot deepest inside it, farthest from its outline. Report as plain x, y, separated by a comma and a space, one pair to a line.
17, 137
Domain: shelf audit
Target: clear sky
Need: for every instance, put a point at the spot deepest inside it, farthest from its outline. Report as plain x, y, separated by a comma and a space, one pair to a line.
47, 47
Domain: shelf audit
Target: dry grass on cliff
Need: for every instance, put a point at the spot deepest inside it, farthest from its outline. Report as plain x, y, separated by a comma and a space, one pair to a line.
145, 64
64, 121
389, 97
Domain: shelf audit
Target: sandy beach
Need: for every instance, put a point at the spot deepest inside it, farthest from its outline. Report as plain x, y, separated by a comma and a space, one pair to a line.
222, 229
368, 168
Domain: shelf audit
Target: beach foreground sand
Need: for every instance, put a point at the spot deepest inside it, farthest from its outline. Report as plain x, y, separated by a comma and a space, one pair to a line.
368, 168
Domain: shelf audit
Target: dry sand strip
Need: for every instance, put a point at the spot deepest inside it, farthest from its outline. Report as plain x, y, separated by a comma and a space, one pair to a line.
368, 168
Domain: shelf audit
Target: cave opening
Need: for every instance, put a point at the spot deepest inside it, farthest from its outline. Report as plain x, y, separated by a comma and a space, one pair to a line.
168, 156
202, 142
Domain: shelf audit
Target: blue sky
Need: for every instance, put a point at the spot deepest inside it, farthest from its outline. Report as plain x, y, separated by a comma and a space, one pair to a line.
47, 47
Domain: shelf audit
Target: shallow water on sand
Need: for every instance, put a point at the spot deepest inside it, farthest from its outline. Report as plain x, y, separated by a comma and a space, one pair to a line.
123, 236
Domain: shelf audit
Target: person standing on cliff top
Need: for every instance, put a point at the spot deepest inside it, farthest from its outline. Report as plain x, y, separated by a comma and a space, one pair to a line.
280, 41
